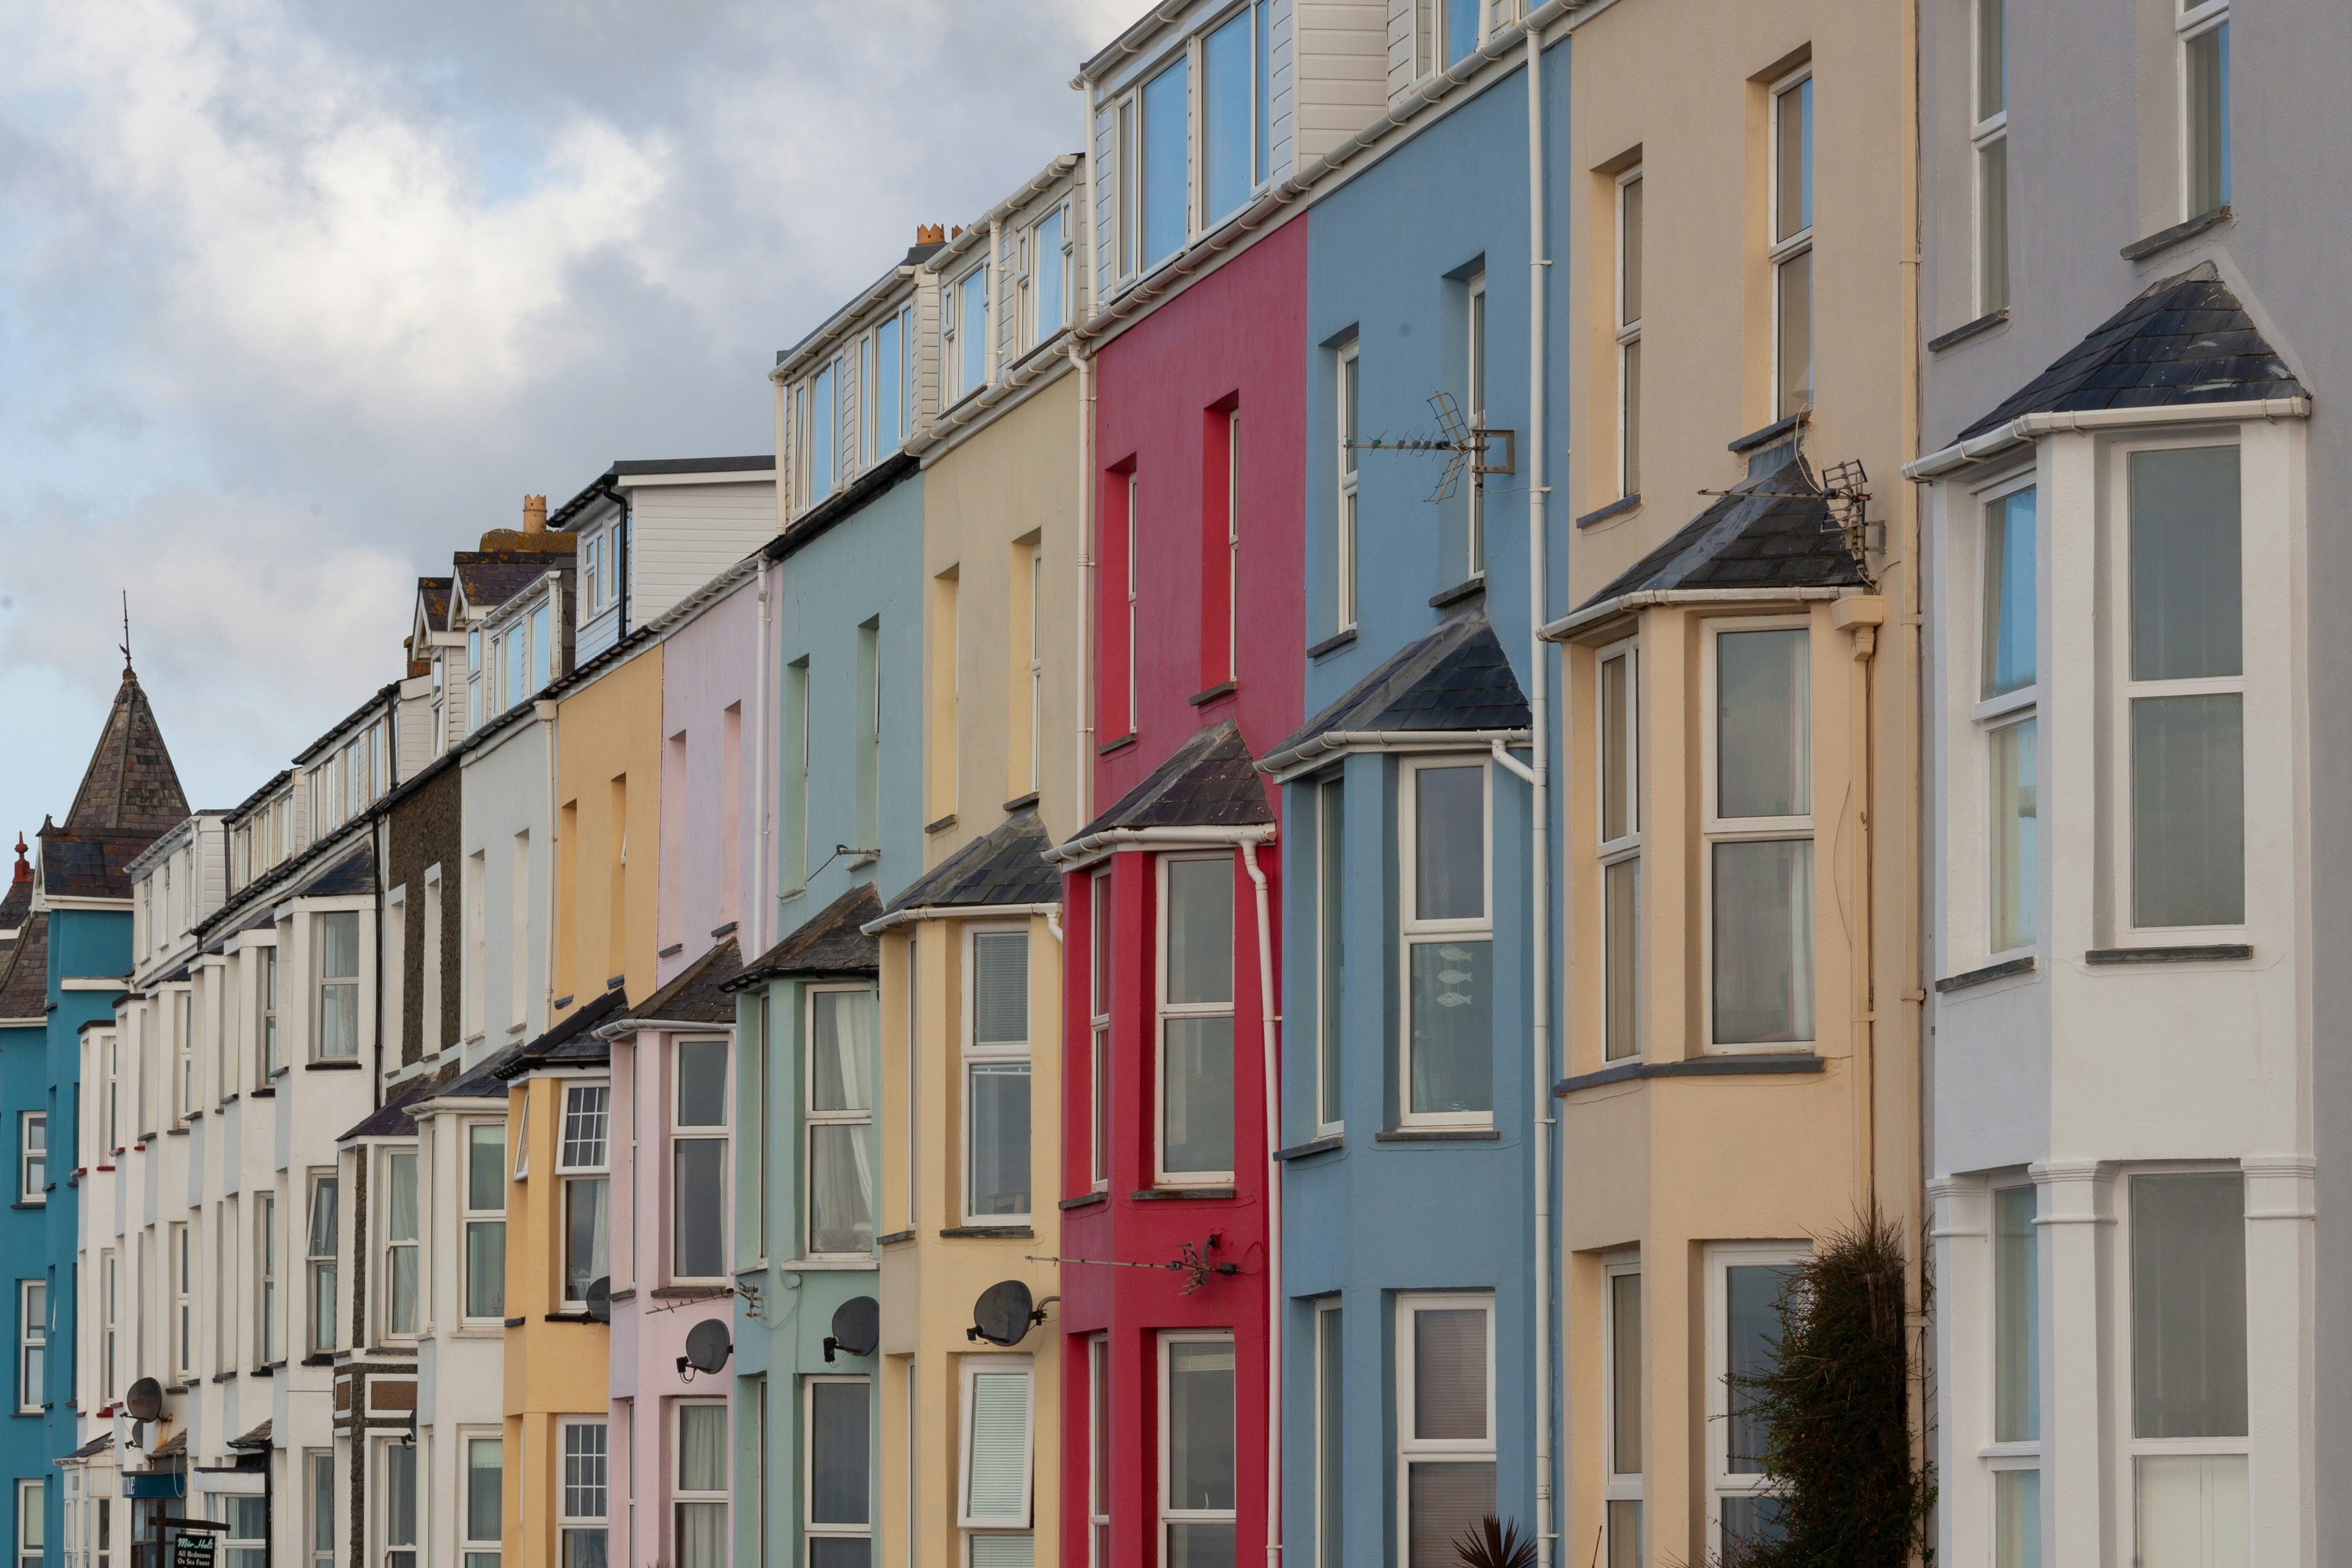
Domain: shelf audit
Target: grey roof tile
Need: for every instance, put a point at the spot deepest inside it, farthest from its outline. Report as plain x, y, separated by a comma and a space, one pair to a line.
571, 1042
1455, 677
694, 993
1005, 866
24, 972
1211, 780
1770, 530
830, 942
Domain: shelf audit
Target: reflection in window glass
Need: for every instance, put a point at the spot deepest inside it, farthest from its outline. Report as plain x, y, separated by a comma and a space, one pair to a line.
1167, 163
2016, 835
1200, 1459
2009, 608
1225, 82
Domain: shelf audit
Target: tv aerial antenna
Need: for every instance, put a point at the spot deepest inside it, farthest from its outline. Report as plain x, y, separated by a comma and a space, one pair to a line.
1190, 1259
1467, 447
1843, 487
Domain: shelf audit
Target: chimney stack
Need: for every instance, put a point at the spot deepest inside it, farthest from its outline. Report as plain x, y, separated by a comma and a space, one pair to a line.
534, 514
929, 234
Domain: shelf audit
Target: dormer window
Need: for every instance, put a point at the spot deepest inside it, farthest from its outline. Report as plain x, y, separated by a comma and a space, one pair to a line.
473, 680
964, 352
1165, 196
591, 563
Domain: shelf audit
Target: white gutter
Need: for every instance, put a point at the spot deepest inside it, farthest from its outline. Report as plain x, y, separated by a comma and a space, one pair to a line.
759, 910
1081, 853
2031, 426
1273, 1210
1567, 626
898, 917
1287, 764
845, 321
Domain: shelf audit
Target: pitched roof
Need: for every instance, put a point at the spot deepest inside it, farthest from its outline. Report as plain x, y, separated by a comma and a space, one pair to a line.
1769, 530
354, 873
391, 1119
833, 941
97, 1445
694, 993
1211, 780
256, 1438
18, 901
433, 598
129, 795
572, 1041
2183, 339
484, 1081
24, 972
1455, 677
1005, 866
490, 578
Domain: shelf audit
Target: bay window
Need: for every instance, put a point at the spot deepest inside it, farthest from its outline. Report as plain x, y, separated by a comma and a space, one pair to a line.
402, 1306
996, 1079
1097, 1452
1331, 1437
999, 1451
1759, 802
2017, 1380
2187, 1453
246, 1543
701, 1497
319, 1248
339, 986
265, 1338
1100, 914
1197, 1450
1792, 243
837, 1477
33, 1156
485, 1220
582, 1164
2008, 689
399, 1504
1445, 1424
1744, 1283
699, 1161
1330, 954
1618, 703
2185, 689
583, 1491
1196, 1019
484, 1502
1446, 929
1621, 1407
840, 1118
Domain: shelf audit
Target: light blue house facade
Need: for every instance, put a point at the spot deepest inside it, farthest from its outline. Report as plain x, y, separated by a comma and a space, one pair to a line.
1414, 1256
24, 1092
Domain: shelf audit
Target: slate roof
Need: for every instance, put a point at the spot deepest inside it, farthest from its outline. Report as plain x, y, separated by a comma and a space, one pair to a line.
484, 1082
18, 902
1210, 782
571, 1043
694, 994
830, 942
97, 1445
24, 972
433, 593
391, 1119
354, 873
2183, 339
1753, 537
1455, 677
381, 697
172, 1447
492, 577
256, 1438
1006, 866
130, 796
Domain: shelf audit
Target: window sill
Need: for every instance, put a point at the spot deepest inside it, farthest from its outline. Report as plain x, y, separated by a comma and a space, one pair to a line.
941, 825
226, 1099
267, 1367
1439, 1136
1163, 1194
175, 1388
1203, 698
1084, 1200
823, 1265
2205, 953
1989, 973
1755, 439
1968, 330
1313, 1147
267, 1091
709, 1290
1121, 744
278, 1073
1447, 598
1616, 509
1022, 802
895, 1238
578, 1317
30, 1205
175, 1132
968, 1232
224, 1377
1332, 644
336, 1064
2165, 239
1759, 1064
323, 1358
515, 1322
672, 951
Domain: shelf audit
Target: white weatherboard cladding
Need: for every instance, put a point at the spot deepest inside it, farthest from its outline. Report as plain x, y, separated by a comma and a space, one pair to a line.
682, 536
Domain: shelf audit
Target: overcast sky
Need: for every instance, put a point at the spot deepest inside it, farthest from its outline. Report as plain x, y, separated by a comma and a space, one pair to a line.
296, 298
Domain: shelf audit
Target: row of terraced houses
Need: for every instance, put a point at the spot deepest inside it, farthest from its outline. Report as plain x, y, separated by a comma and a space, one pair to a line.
1330, 799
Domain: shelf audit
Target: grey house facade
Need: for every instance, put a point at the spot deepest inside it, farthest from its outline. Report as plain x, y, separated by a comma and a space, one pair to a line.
2137, 1106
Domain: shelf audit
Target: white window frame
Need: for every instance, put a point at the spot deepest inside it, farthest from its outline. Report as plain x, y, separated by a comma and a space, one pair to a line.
809, 1526
1330, 1023
1409, 1446
568, 1172
811, 1118
318, 1464
1985, 133
406, 1553
1474, 389
1134, 495
1164, 1515
108, 1284
320, 980
679, 1494
468, 1216
974, 1367
565, 1521
1233, 545
1347, 395
181, 1259
975, 1054
1163, 1011
1099, 1433
321, 1338
32, 1341
2023, 706
2189, 25
1327, 1554
1787, 249
1036, 667
1718, 830
1102, 912
268, 1270
1414, 932
1626, 847
1034, 299
472, 1550
1719, 1257
1629, 345
721, 1134
33, 1156
32, 1520
1616, 1485
2024, 1454
956, 339
415, 1244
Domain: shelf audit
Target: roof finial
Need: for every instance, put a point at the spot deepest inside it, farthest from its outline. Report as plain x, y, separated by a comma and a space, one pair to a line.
126, 631
24, 871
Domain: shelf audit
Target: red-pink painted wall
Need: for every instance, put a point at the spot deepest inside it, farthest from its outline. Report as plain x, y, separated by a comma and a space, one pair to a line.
1167, 388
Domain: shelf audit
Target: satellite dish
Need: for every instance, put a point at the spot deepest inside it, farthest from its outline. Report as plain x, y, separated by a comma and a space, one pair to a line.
145, 1400
1002, 1315
600, 1298
856, 1327
708, 1345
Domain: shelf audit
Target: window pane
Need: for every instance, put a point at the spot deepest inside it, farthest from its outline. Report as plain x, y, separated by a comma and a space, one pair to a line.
1630, 476
1616, 747
486, 1172
1754, 1520
1992, 226
1200, 1424
1624, 1521
2193, 1512
1449, 843
1051, 294
839, 1463
2188, 1305
1764, 942
1449, 1373
1199, 930
584, 1237
1197, 1096
323, 1218
1263, 113
1003, 1552
1764, 730
1460, 27
400, 1500
2016, 834
702, 1448
840, 1552
1445, 1502
583, 1469
2208, 104
403, 1287
702, 1083
2185, 581
999, 1478
702, 1535
841, 1190
843, 1025
1620, 890
1226, 117
1330, 918
886, 390
824, 445
586, 1111
486, 1269
2188, 810
999, 988
1625, 1373
1992, 86
972, 329
1452, 1027
698, 1193
583, 1549
1750, 1291
1795, 281
999, 1176
1202, 1546
1330, 1407
1629, 254
1793, 160
484, 1466
400, 1196
1349, 404
2016, 1319
2017, 1519
1167, 163
2009, 606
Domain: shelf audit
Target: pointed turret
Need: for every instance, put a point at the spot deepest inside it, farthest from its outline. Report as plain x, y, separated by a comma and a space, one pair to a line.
130, 796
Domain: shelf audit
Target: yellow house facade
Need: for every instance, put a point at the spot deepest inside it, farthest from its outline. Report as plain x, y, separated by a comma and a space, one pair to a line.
1739, 777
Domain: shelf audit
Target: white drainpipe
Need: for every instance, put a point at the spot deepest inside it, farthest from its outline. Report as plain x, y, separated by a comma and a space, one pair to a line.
1273, 1210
